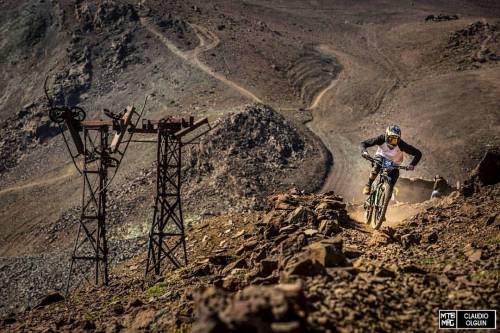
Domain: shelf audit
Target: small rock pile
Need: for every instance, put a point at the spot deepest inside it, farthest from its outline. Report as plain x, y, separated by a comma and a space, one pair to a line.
352, 280
441, 17
478, 43
278, 308
247, 156
294, 239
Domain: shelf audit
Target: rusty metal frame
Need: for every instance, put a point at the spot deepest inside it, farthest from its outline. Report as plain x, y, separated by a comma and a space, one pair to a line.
91, 243
167, 235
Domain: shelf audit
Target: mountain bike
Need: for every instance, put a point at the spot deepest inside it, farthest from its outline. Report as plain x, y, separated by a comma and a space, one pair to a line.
376, 204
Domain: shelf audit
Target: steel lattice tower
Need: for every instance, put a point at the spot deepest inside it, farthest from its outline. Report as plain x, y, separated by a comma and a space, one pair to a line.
91, 243
166, 237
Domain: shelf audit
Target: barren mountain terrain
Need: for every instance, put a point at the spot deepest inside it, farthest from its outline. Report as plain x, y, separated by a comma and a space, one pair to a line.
290, 88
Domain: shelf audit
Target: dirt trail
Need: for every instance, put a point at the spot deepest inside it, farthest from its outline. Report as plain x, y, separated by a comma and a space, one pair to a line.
208, 41
346, 161
396, 213
340, 145
339, 148
317, 99
67, 172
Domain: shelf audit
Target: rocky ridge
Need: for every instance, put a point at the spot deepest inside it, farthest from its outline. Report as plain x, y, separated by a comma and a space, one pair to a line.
476, 45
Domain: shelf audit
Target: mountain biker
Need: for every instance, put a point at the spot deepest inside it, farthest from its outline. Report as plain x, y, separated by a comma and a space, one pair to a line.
392, 147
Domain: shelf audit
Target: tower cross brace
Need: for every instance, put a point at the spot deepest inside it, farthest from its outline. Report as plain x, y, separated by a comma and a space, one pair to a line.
167, 234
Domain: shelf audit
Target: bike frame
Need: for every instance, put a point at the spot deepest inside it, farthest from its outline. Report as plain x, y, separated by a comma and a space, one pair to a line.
374, 205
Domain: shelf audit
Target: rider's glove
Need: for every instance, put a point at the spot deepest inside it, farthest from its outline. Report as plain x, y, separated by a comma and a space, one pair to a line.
410, 167
365, 154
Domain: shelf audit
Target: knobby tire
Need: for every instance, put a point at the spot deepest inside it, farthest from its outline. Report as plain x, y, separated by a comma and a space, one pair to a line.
382, 204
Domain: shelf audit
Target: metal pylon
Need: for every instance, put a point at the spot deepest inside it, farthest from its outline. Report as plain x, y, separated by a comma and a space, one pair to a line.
166, 236
91, 248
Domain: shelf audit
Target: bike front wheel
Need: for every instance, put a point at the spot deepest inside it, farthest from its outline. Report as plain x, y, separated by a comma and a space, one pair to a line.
369, 209
382, 201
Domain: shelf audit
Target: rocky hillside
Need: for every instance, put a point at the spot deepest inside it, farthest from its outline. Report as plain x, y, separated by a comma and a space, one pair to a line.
301, 265
262, 257
249, 155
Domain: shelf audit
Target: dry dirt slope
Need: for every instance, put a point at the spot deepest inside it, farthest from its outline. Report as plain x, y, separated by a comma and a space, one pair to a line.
393, 67
302, 266
391, 61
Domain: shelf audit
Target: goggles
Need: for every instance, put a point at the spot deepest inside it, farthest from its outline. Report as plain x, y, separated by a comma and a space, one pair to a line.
393, 140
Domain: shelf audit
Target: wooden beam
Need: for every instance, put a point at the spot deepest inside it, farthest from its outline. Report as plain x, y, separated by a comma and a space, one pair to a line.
124, 124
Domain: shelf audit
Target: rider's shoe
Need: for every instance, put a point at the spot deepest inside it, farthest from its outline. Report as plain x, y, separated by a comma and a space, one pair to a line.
367, 189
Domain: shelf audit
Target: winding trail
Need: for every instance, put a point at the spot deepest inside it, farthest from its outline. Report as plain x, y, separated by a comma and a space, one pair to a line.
336, 143
208, 41
317, 99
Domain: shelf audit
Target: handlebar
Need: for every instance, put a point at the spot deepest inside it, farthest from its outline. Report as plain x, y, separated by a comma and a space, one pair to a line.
378, 162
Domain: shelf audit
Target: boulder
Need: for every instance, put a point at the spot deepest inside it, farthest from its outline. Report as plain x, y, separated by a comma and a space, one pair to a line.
304, 266
410, 268
220, 260
380, 238
327, 252
329, 227
315, 257
302, 215
410, 239
279, 308
240, 263
267, 267
233, 282
384, 272
330, 205
485, 173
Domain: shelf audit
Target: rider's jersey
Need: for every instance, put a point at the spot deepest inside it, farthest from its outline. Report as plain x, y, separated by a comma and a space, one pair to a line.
396, 154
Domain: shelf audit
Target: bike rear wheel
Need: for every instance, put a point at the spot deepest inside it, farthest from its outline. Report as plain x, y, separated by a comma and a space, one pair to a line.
381, 204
